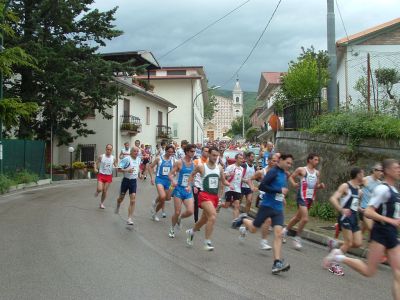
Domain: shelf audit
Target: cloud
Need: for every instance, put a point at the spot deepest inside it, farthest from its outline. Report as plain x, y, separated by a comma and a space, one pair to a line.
159, 26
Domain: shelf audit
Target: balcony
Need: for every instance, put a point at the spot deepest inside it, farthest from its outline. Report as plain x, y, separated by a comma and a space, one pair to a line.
163, 132
130, 125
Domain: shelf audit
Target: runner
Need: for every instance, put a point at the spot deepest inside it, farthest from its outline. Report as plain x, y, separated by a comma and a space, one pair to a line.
264, 154
145, 160
183, 191
104, 167
369, 183
384, 209
197, 181
249, 171
346, 201
212, 176
274, 185
164, 165
234, 175
125, 151
180, 152
309, 183
130, 167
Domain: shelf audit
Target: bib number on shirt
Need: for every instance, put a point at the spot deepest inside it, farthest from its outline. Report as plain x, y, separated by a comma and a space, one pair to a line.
354, 204
213, 183
309, 193
279, 197
165, 170
185, 180
396, 214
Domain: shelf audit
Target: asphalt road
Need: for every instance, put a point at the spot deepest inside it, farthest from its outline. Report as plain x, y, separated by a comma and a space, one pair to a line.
55, 243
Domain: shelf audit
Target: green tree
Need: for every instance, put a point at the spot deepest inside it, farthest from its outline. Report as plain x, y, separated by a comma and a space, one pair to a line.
252, 133
209, 108
237, 126
13, 110
65, 37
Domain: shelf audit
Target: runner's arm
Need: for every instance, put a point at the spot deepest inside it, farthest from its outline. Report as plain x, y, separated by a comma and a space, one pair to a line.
197, 169
222, 177
265, 184
150, 167
175, 169
335, 198
96, 164
297, 172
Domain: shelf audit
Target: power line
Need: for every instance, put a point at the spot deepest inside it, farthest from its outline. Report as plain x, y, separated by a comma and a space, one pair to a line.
340, 15
204, 29
255, 45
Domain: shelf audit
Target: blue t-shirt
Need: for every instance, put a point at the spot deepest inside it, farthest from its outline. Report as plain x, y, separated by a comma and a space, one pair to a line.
265, 158
272, 185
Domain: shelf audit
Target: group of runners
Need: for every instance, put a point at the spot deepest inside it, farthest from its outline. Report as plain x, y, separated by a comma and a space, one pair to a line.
199, 180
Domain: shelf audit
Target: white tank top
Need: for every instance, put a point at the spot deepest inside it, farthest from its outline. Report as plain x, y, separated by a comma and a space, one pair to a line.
134, 164
106, 164
250, 171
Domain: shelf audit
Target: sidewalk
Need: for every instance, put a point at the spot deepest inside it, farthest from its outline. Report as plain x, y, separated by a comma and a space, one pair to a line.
318, 231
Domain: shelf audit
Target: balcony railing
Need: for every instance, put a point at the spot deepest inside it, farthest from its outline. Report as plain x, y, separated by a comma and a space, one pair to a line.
130, 124
163, 132
300, 116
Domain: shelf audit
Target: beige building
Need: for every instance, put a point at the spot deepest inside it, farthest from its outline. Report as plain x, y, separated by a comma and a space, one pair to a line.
227, 110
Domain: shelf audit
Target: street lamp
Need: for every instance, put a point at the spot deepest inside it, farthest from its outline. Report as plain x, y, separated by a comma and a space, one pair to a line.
194, 102
70, 150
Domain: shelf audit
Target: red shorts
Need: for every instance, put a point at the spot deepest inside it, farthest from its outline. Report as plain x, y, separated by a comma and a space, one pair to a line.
104, 178
204, 196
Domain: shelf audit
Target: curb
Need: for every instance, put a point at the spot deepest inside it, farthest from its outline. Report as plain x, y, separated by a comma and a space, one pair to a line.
319, 238
23, 186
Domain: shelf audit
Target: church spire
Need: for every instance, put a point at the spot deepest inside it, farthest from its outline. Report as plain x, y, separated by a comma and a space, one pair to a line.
237, 86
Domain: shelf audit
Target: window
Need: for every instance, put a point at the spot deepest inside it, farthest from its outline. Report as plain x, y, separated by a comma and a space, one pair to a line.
176, 72
88, 153
237, 99
147, 115
126, 107
160, 118
175, 129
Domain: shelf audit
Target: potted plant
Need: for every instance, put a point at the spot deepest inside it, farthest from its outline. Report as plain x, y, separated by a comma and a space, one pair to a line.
80, 170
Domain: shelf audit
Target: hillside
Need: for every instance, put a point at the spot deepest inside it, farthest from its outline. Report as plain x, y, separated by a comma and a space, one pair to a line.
249, 99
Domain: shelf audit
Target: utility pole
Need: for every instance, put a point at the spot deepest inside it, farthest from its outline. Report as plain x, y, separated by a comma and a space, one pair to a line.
332, 68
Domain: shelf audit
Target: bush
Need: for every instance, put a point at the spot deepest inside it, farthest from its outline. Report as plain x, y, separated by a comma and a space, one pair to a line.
24, 177
323, 210
5, 184
78, 165
357, 125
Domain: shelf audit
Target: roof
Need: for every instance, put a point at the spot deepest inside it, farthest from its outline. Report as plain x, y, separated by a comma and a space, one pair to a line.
369, 33
268, 80
140, 57
149, 95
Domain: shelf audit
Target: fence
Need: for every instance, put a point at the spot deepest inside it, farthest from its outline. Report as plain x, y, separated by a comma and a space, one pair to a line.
298, 116
24, 155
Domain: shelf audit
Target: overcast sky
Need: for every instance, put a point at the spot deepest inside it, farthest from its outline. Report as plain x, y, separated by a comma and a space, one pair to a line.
160, 25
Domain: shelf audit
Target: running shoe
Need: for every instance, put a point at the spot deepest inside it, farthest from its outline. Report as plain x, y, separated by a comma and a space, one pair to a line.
164, 215
297, 243
208, 246
284, 235
189, 237
117, 209
243, 233
171, 233
102, 206
129, 221
280, 266
330, 258
145, 177
154, 217
264, 245
332, 244
336, 269
237, 222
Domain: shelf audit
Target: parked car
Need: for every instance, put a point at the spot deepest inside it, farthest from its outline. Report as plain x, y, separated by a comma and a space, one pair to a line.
229, 156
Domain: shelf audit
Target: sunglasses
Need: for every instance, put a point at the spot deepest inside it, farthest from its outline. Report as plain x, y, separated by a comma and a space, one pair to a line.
379, 170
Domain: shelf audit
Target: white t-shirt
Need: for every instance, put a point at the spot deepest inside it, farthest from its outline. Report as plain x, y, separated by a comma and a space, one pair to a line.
180, 153
234, 176
134, 164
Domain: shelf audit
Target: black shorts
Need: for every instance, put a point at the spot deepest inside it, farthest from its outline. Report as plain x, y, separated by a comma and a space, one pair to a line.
385, 235
232, 196
349, 223
304, 202
246, 191
128, 184
265, 212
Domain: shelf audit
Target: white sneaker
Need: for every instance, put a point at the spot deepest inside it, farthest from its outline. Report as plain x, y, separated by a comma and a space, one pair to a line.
243, 233
284, 235
208, 246
189, 237
330, 258
264, 245
297, 243
129, 221
102, 206
171, 233
155, 218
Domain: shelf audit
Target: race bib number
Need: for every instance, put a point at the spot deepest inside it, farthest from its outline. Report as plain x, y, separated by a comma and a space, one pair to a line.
396, 214
279, 197
354, 204
213, 183
185, 180
310, 193
165, 170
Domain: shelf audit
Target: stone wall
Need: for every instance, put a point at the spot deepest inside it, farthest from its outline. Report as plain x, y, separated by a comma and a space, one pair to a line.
336, 156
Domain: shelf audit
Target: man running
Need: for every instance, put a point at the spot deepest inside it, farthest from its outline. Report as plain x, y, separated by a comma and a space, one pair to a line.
104, 167
164, 165
274, 185
197, 181
212, 177
346, 201
234, 175
180, 152
369, 184
249, 171
182, 190
265, 153
384, 209
125, 151
130, 167
309, 183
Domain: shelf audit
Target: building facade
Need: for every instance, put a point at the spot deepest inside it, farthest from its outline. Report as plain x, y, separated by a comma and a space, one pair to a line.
226, 110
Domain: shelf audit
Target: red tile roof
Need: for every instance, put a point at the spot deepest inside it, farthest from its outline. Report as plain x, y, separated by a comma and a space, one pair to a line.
273, 77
